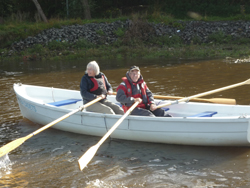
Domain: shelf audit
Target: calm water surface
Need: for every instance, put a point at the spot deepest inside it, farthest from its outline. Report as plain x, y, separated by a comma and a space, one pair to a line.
49, 159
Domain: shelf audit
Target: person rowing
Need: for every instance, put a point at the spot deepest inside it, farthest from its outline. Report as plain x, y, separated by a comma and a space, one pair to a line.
133, 89
95, 84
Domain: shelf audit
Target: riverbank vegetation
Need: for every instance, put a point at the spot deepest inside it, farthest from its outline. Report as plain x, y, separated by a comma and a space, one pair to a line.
15, 25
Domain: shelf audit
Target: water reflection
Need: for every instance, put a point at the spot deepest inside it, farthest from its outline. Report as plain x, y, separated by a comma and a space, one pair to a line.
14, 179
11, 177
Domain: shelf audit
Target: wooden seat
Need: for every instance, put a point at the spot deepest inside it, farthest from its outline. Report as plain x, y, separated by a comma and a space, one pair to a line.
64, 102
204, 114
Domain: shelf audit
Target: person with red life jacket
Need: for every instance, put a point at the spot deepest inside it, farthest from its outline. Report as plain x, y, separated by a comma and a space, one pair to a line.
134, 89
95, 84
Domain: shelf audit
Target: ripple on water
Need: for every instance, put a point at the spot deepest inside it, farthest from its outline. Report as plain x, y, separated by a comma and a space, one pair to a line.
155, 160
44, 160
5, 165
117, 172
172, 168
196, 173
216, 174
100, 183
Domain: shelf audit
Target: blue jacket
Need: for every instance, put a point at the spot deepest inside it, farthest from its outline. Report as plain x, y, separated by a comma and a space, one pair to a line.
86, 84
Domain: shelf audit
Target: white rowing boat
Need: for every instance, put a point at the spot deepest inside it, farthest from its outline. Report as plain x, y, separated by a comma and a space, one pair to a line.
193, 123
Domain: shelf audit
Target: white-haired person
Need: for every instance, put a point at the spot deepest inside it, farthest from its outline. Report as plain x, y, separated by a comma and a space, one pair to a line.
95, 84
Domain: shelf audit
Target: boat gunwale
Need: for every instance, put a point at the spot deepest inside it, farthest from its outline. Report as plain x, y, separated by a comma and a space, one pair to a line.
145, 118
168, 119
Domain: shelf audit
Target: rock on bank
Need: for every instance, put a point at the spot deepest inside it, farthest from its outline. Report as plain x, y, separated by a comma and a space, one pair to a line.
105, 33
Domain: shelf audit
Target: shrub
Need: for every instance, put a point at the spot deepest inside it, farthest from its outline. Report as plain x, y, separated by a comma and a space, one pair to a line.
120, 32
36, 48
242, 41
196, 39
219, 37
100, 32
166, 40
56, 45
118, 43
83, 43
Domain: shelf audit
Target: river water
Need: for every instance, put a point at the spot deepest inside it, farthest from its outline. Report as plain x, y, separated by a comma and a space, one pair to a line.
49, 159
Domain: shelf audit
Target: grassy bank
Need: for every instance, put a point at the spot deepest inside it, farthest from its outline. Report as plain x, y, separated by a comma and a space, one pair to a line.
154, 47
111, 52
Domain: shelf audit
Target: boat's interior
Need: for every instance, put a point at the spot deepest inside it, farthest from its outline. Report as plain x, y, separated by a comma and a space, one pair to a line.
71, 99
67, 102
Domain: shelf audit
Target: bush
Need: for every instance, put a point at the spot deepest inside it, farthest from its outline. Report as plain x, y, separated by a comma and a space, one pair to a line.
166, 40
118, 43
242, 41
112, 13
36, 48
56, 45
196, 40
100, 32
120, 32
83, 43
219, 37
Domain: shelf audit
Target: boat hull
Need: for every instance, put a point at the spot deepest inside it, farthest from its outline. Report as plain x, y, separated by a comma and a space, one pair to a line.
208, 131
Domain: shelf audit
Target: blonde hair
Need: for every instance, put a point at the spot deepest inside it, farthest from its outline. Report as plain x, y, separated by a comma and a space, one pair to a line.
94, 66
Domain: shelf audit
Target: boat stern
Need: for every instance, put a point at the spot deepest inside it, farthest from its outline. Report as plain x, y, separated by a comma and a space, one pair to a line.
248, 131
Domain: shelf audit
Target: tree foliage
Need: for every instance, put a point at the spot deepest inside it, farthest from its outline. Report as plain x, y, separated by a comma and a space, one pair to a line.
115, 8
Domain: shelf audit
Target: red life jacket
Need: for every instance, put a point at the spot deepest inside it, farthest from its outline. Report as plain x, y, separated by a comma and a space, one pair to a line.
128, 92
99, 86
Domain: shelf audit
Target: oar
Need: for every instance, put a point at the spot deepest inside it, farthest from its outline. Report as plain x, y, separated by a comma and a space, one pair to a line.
14, 144
213, 100
89, 154
206, 93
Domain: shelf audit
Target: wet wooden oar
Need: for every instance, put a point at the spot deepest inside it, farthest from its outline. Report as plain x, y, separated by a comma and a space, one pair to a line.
205, 93
212, 100
14, 144
89, 154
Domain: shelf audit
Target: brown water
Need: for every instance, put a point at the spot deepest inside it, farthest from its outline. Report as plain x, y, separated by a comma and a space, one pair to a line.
49, 159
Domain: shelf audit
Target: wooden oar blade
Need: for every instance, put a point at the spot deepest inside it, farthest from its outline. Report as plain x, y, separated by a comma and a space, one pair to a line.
12, 145
223, 101
247, 81
87, 156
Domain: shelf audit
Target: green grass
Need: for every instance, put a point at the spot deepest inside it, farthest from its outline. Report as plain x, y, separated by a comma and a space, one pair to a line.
100, 32
220, 45
144, 52
120, 32
15, 31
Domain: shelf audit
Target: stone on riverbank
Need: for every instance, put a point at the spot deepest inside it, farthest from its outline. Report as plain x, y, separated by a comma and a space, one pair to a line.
104, 33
